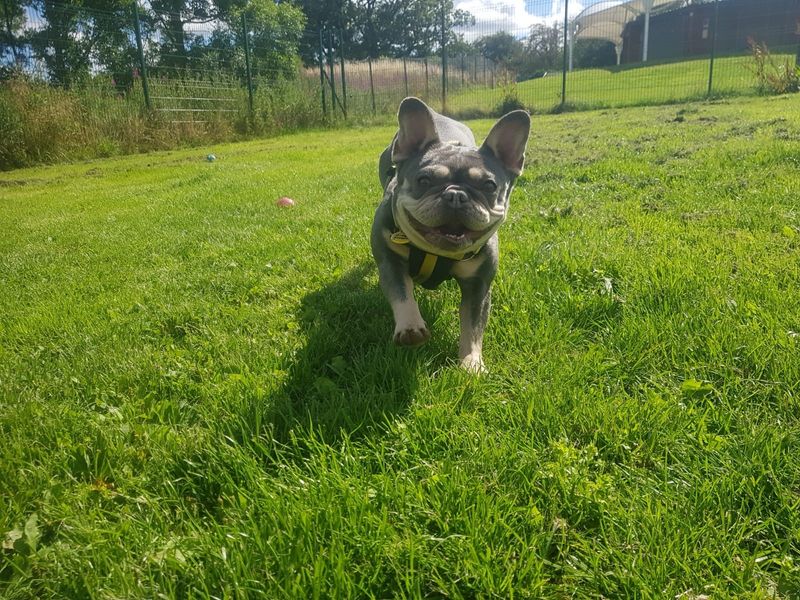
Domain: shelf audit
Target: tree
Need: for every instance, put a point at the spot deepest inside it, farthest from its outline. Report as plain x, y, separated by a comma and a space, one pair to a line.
594, 53
417, 26
275, 34
501, 48
171, 18
13, 23
79, 37
382, 27
544, 45
277, 30
319, 14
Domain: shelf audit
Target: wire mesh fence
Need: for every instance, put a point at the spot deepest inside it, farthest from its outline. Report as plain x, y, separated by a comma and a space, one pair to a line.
127, 68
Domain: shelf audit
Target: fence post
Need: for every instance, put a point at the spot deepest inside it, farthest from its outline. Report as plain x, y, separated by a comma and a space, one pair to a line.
140, 48
405, 74
331, 80
322, 74
484, 70
713, 47
371, 83
462, 69
247, 64
564, 68
444, 61
344, 81
427, 86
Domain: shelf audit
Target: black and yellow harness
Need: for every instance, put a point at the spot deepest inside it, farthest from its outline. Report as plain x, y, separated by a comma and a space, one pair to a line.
426, 269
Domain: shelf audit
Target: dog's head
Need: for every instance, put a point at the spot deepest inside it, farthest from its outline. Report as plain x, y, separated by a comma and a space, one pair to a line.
451, 196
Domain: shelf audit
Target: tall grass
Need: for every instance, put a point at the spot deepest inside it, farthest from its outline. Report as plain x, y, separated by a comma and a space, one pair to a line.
40, 123
389, 80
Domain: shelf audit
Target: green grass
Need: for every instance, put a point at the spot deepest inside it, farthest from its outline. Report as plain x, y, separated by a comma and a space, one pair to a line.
640, 84
199, 397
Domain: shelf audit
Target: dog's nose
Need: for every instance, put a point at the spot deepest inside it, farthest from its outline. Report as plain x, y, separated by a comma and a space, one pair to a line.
455, 197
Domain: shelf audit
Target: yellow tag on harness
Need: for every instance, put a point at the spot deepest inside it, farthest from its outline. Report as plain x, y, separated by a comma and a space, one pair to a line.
398, 237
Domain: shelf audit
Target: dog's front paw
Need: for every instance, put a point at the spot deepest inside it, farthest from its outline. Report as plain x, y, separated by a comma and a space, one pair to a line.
412, 336
473, 363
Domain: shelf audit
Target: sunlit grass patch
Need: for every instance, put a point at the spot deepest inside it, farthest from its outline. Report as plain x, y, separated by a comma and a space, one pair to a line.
199, 396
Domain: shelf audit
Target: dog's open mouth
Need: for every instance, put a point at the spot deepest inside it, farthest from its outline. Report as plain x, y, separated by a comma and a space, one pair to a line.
453, 234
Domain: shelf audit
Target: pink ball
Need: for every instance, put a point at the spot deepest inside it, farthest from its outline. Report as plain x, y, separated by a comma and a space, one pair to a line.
284, 201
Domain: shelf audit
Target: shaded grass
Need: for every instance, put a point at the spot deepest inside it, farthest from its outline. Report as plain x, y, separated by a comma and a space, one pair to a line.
198, 395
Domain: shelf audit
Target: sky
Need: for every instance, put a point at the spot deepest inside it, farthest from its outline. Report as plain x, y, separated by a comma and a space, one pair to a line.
515, 16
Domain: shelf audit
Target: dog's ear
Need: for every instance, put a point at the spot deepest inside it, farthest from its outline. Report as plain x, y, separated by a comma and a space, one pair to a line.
417, 130
508, 138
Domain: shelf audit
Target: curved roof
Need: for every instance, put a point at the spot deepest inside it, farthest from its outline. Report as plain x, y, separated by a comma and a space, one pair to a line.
607, 19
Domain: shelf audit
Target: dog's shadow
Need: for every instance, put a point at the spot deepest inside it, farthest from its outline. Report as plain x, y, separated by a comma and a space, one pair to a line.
349, 378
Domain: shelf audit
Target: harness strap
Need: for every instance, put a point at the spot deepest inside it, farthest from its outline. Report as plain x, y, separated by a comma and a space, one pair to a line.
426, 269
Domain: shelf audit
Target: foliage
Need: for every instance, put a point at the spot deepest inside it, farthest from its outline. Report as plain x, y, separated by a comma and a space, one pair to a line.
510, 99
590, 54
277, 30
77, 40
76, 37
540, 52
771, 77
545, 44
12, 13
501, 47
393, 28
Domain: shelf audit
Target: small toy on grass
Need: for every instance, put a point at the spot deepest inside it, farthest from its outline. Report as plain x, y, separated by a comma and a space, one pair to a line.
284, 201
211, 158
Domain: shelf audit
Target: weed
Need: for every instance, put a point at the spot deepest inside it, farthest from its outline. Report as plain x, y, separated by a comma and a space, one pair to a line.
772, 77
510, 100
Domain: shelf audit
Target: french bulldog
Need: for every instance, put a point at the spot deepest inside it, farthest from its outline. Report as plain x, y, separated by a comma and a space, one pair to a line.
444, 200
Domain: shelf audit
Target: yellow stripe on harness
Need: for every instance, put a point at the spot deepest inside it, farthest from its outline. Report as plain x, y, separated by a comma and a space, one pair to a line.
426, 269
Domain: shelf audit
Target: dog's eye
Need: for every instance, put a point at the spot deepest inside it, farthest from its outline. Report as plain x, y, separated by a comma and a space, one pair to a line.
489, 186
423, 181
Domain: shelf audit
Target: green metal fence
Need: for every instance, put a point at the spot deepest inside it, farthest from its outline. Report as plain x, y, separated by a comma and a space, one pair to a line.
192, 72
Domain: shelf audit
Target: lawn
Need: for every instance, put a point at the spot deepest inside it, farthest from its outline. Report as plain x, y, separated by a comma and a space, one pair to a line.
199, 396
639, 84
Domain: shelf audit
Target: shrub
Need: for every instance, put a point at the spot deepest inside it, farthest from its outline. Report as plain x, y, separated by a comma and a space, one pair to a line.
510, 100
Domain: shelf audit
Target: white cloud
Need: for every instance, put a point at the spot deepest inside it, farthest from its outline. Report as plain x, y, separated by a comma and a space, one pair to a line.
513, 16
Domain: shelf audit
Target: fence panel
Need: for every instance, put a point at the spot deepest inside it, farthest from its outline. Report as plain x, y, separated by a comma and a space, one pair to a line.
192, 72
